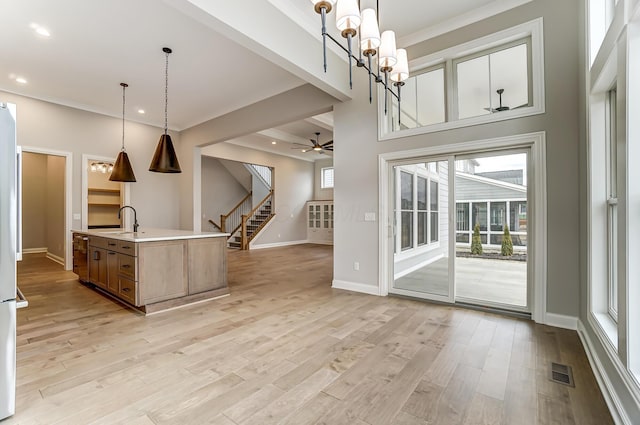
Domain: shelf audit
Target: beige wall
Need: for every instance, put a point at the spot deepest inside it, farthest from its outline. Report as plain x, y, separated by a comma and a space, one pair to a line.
55, 205
34, 200
220, 192
43, 202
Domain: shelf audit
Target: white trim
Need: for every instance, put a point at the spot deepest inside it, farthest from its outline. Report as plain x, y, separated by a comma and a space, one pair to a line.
55, 258
536, 142
68, 195
356, 287
460, 21
561, 321
278, 244
609, 392
35, 250
533, 29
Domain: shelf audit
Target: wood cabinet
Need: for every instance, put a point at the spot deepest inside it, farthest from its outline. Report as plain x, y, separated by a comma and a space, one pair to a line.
320, 216
148, 273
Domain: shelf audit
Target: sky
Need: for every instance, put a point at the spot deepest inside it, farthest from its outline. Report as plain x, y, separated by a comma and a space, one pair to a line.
503, 162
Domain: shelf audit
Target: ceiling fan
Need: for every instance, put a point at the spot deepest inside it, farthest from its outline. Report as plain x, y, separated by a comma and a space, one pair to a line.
316, 146
501, 108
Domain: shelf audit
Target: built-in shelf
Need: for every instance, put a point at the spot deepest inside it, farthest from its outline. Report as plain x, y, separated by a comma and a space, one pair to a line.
96, 190
103, 205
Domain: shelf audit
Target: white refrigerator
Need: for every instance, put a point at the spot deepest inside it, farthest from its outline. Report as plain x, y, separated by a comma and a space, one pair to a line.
9, 301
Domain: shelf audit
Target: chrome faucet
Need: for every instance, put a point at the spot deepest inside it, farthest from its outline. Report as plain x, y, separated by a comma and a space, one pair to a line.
135, 217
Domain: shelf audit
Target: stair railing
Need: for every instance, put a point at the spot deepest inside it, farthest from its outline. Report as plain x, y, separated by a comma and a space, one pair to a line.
263, 172
231, 222
245, 238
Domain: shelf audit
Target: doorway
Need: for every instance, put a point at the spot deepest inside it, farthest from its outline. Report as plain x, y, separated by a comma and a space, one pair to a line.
460, 225
45, 203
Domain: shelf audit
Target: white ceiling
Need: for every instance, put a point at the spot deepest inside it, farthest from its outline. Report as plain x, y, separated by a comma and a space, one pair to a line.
95, 45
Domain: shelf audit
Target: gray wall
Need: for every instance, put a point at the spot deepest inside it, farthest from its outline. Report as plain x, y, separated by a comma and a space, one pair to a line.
293, 187
356, 151
319, 193
220, 192
50, 126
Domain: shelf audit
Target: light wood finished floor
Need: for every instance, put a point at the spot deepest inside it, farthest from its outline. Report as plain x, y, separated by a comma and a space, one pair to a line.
286, 348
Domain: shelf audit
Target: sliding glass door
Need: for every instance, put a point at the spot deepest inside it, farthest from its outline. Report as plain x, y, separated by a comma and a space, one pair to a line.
461, 229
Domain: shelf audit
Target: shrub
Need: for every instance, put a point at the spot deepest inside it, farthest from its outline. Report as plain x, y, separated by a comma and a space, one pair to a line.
476, 243
507, 243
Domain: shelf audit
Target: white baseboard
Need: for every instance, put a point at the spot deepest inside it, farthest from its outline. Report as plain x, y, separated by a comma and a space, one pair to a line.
356, 287
609, 393
277, 244
561, 321
55, 258
34, 250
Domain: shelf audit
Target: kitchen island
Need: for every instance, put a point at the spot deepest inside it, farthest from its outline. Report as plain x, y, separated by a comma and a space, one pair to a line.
153, 269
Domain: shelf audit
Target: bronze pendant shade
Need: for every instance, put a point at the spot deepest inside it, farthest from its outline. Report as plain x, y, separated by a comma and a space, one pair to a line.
165, 159
122, 169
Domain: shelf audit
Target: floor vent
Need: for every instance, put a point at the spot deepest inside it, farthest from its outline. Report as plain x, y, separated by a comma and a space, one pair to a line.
562, 374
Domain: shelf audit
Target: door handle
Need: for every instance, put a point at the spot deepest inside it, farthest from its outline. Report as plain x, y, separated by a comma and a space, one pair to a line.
96, 255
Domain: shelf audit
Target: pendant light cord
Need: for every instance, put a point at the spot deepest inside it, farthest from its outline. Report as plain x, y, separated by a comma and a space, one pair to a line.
123, 100
166, 89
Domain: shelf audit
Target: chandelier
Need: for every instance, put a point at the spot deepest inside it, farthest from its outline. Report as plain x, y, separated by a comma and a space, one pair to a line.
101, 167
351, 22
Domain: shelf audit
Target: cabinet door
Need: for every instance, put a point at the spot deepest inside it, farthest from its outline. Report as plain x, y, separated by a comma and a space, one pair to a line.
112, 272
98, 266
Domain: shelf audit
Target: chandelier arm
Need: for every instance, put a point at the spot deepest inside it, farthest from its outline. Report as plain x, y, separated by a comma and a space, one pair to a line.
369, 69
323, 14
350, 56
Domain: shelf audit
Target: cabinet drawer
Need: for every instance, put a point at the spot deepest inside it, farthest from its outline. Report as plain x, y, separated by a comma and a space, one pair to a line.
127, 266
97, 242
128, 248
128, 290
111, 244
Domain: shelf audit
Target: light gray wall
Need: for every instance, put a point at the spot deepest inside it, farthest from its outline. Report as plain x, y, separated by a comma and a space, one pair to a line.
319, 193
356, 151
293, 187
293, 105
50, 126
34, 200
221, 191
54, 212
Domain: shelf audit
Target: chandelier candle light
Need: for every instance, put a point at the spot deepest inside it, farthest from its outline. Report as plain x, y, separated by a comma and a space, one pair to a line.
391, 61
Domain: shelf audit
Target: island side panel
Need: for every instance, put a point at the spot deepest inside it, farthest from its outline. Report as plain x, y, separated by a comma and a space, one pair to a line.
163, 270
207, 264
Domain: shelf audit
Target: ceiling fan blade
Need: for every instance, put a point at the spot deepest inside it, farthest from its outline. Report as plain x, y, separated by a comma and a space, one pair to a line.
330, 142
328, 148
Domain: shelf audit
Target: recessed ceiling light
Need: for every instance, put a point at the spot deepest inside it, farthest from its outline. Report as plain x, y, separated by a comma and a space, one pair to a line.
273, 142
40, 30
141, 111
21, 80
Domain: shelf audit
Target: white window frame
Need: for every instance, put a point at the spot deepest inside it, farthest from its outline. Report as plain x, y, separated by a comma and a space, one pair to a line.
532, 29
323, 183
611, 160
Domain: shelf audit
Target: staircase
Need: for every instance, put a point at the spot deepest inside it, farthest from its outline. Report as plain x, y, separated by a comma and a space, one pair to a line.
253, 226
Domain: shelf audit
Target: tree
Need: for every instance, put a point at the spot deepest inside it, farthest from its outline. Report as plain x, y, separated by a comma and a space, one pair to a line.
476, 243
507, 243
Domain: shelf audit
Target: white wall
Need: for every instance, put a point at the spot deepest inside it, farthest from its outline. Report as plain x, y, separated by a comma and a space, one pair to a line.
220, 192
50, 126
357, 149
320, 194
293, 185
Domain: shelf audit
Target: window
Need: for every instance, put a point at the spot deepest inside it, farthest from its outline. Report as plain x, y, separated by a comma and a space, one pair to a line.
489, 79
493, 82
417, 206
327, 178
612, 205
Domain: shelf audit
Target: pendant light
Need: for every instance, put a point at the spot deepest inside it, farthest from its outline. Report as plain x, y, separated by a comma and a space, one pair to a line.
165, 159
122, 170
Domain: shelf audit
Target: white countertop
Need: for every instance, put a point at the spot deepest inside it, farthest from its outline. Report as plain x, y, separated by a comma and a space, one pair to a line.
149, 234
